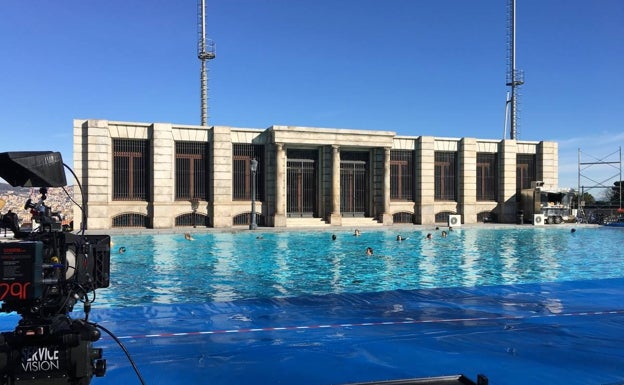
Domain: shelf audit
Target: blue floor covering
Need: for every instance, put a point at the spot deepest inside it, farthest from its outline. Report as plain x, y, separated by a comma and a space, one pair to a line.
554, 333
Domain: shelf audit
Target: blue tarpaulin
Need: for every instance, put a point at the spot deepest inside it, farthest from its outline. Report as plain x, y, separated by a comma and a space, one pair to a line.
570, 332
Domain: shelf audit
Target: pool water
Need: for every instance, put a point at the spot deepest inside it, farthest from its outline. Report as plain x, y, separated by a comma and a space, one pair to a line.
522, 305
242, 265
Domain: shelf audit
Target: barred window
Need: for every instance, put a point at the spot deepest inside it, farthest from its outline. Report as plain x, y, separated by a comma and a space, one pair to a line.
487, 181
131, 220
401, 175
191, 173
525, 170
241, 171
130, 169
445, 176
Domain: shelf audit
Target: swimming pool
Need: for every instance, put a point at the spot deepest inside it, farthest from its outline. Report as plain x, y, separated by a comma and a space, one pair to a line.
243, 265
521, 305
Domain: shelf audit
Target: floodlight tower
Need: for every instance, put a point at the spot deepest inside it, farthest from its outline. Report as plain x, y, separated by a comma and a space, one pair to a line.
205, 52
515, 77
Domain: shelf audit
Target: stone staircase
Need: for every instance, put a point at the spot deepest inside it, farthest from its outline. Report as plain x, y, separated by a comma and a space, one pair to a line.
360, 222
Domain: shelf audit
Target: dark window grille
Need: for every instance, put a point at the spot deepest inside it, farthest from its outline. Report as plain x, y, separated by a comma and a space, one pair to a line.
487, 181
241, 171
525, 170
131, 220
301, 187
401, 175
403, 217
130, 169
445, 176
245, 219
443, 217
191, 174
191, 219
353, 188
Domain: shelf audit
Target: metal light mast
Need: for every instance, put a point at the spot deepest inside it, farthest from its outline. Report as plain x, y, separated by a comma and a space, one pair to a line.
205, 52
515, 78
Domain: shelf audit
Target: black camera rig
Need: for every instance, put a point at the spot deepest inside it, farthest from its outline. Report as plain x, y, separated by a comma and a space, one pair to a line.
43, 274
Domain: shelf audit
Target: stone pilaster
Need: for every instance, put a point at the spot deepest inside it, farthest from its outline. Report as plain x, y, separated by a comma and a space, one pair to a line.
221, 177
507, 210
280, 186
386, 217
163, 180
548, 164
93, 166
335, 218
424, 208
468, 180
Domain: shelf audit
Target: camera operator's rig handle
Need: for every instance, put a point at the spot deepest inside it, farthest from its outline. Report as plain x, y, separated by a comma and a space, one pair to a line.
43, 214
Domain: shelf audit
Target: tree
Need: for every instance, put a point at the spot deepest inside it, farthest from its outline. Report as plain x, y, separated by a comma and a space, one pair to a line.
615, 194
588, 198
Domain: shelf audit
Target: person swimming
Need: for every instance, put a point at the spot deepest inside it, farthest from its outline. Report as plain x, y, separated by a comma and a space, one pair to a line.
369, 251
122, 250
356, 233
188, 237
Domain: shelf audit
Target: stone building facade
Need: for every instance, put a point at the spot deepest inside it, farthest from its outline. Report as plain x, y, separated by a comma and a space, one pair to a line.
163, 175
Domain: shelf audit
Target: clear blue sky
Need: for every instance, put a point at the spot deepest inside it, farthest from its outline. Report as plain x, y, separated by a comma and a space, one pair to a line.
417, 67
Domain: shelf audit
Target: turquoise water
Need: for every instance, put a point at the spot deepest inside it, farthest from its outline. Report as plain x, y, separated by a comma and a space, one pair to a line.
219, 267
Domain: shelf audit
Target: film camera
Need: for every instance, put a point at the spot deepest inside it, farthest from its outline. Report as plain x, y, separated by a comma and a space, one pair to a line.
44, 272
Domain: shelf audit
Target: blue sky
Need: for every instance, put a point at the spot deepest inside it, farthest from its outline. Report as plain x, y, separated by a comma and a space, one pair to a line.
416, 67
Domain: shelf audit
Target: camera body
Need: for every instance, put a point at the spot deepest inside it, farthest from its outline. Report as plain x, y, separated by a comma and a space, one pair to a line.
41, 278
46, 273
43, 274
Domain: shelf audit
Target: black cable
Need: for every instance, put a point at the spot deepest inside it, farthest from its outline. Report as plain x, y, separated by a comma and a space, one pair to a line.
82, 233
83, 225
121, 345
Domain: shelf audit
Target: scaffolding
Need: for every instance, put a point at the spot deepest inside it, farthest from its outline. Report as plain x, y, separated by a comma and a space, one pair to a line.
610, 169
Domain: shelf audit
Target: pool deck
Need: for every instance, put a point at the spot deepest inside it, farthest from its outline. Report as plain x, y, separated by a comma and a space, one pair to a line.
554, 333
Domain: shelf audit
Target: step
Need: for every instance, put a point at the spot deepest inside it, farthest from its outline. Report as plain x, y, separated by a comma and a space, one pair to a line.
360, 222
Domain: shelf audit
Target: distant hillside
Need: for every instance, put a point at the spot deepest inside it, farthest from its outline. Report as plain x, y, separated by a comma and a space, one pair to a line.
4, 187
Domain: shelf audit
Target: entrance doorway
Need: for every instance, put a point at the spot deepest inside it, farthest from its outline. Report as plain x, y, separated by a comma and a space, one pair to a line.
353, 188
301, 185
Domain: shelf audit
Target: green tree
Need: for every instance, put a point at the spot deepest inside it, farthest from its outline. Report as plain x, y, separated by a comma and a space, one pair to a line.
588, 198
616, 190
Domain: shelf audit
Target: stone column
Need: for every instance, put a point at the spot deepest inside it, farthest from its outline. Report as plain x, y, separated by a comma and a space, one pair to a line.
424, 207
93, 165
548, 164
507, 150
221, 205
335, 218
280, 183
386, 217
163, 176
468, 180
